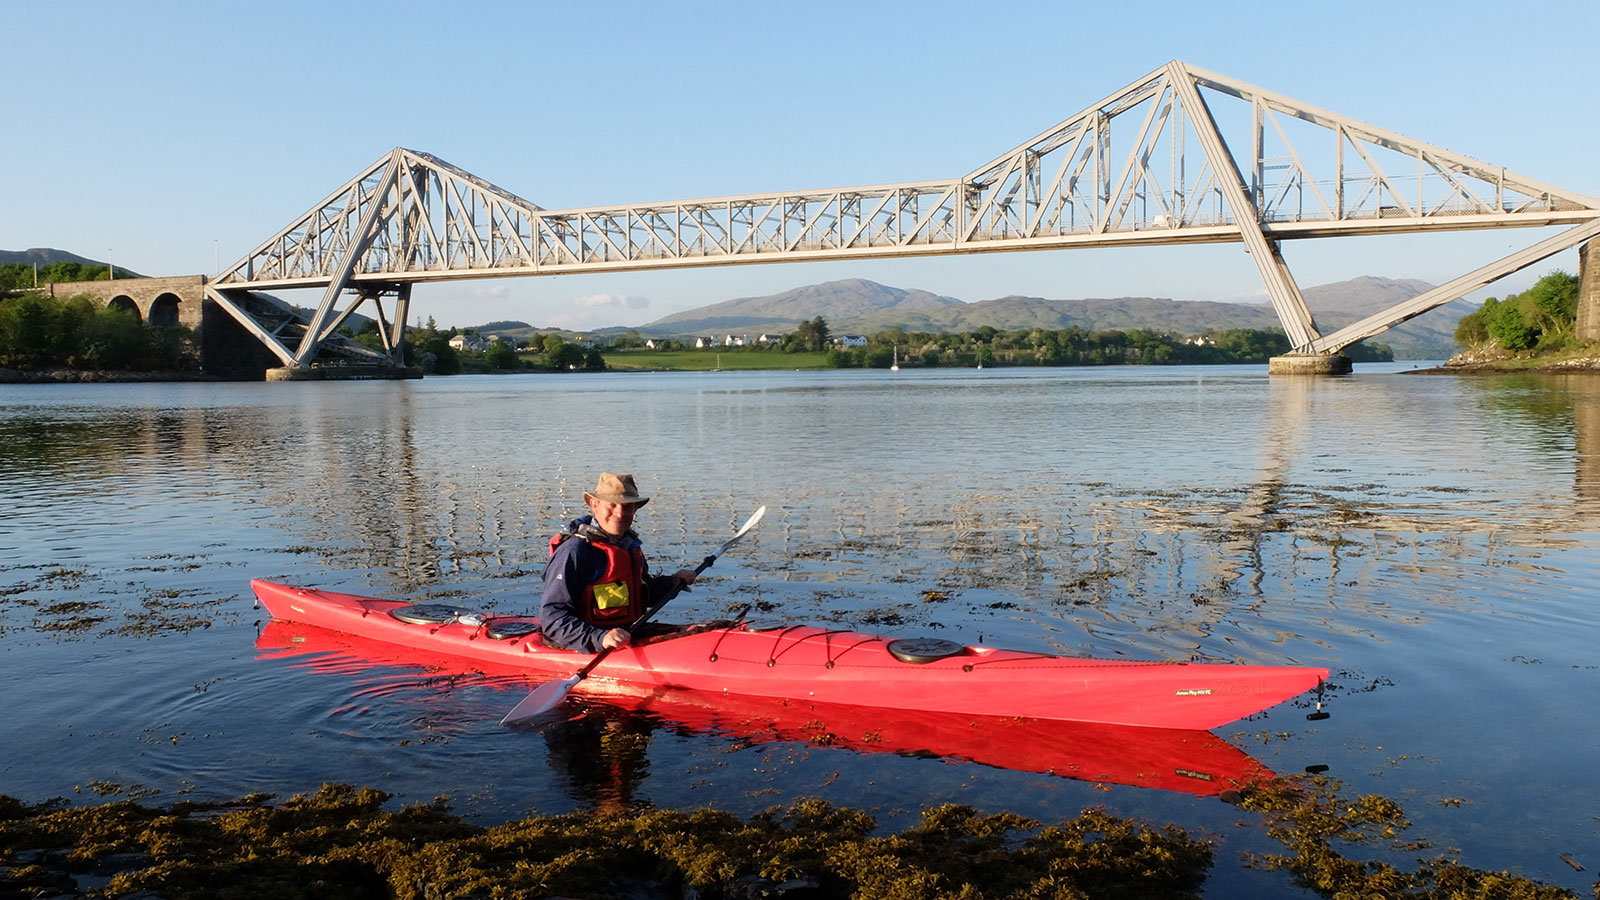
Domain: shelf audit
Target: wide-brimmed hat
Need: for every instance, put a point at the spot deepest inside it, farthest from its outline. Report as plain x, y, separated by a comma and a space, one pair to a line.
616, 489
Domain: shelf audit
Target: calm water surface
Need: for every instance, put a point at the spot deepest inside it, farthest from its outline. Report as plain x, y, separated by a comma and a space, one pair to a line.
1433, 540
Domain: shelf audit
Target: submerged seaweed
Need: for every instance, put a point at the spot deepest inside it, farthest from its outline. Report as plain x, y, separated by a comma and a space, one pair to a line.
1312, 819
343, 841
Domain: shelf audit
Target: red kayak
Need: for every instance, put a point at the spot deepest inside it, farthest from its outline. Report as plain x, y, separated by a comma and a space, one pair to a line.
805, 663
1193, 762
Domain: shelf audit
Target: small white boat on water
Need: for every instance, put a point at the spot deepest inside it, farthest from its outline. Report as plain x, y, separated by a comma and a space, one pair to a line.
896, 366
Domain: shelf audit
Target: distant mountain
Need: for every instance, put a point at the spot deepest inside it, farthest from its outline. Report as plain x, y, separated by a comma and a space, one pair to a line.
865, 307
1428, 336
1362, 296
44, 256
835, 301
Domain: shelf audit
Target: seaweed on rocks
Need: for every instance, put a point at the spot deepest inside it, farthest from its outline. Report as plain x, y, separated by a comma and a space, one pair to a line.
349, 842
343, 841
1313, 820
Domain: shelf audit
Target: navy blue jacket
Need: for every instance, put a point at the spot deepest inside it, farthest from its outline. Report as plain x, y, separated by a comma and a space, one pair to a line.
573, 567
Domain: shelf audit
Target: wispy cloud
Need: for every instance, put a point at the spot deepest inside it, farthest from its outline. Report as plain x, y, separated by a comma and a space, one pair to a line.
598, 311
618, 301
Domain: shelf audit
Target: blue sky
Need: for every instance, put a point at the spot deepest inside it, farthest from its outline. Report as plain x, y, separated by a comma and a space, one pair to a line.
169, 136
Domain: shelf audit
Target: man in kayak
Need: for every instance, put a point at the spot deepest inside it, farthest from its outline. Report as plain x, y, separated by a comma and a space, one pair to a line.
597, 581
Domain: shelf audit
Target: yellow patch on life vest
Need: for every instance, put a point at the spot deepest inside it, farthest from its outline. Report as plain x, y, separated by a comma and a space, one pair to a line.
611, 596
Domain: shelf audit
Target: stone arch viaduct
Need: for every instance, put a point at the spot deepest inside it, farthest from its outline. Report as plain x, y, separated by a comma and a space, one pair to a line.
225, 348
156, 301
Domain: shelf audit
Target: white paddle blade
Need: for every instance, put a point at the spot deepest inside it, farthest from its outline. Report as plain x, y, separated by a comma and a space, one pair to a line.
743, 530
751, 522
541, 700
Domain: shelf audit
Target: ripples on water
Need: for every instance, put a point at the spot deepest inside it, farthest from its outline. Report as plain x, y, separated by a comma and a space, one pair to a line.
1432, 540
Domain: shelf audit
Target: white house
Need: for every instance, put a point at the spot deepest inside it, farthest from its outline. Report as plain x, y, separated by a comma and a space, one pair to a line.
735, 340
852, 340
469, 342
770, 339
703, 342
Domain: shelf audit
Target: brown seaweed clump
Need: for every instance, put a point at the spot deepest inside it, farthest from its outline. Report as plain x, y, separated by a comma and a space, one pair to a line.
1311, 820
342, 842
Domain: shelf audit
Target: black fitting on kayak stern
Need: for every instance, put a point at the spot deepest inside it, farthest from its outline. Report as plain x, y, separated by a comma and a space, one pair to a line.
1319, 715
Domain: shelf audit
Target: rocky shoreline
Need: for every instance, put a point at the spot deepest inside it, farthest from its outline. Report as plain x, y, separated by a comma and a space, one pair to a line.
1496, 361
94, 376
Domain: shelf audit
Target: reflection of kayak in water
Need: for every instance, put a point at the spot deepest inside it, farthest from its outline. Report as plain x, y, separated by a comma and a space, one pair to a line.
1194, 762
800, 662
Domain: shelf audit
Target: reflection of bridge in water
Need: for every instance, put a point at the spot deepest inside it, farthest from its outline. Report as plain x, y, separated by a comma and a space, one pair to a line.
1174, 570
1180, 156
1275, 503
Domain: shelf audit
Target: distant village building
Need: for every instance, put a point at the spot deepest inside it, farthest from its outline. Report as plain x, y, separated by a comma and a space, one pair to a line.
852, 340
471, 342
735, 340
770, 339
703, 342
650, 343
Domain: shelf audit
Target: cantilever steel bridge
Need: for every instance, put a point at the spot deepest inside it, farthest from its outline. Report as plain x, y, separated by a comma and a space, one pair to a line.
1182, 155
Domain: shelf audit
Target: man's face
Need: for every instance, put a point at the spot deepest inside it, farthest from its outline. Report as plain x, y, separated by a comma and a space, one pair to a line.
613, 518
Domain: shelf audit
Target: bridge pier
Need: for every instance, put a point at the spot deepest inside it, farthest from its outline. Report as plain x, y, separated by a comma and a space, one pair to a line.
1588, 325
1309, 364
343, 373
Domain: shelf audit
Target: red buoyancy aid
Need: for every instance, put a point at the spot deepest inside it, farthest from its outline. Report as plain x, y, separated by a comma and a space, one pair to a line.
616, 598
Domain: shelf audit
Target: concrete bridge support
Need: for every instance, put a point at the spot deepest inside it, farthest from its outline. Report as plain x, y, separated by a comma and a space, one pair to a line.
1309, 364
1588, 324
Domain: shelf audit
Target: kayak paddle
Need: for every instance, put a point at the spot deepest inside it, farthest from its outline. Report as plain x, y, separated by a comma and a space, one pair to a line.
545, 697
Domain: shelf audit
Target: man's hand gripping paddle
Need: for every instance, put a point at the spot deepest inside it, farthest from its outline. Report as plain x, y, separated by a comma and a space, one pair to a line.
546, 696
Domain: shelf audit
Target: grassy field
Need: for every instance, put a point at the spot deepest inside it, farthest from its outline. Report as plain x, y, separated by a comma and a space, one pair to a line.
708, 360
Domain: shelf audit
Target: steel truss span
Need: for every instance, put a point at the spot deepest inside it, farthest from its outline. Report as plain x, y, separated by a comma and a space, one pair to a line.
1182, 155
